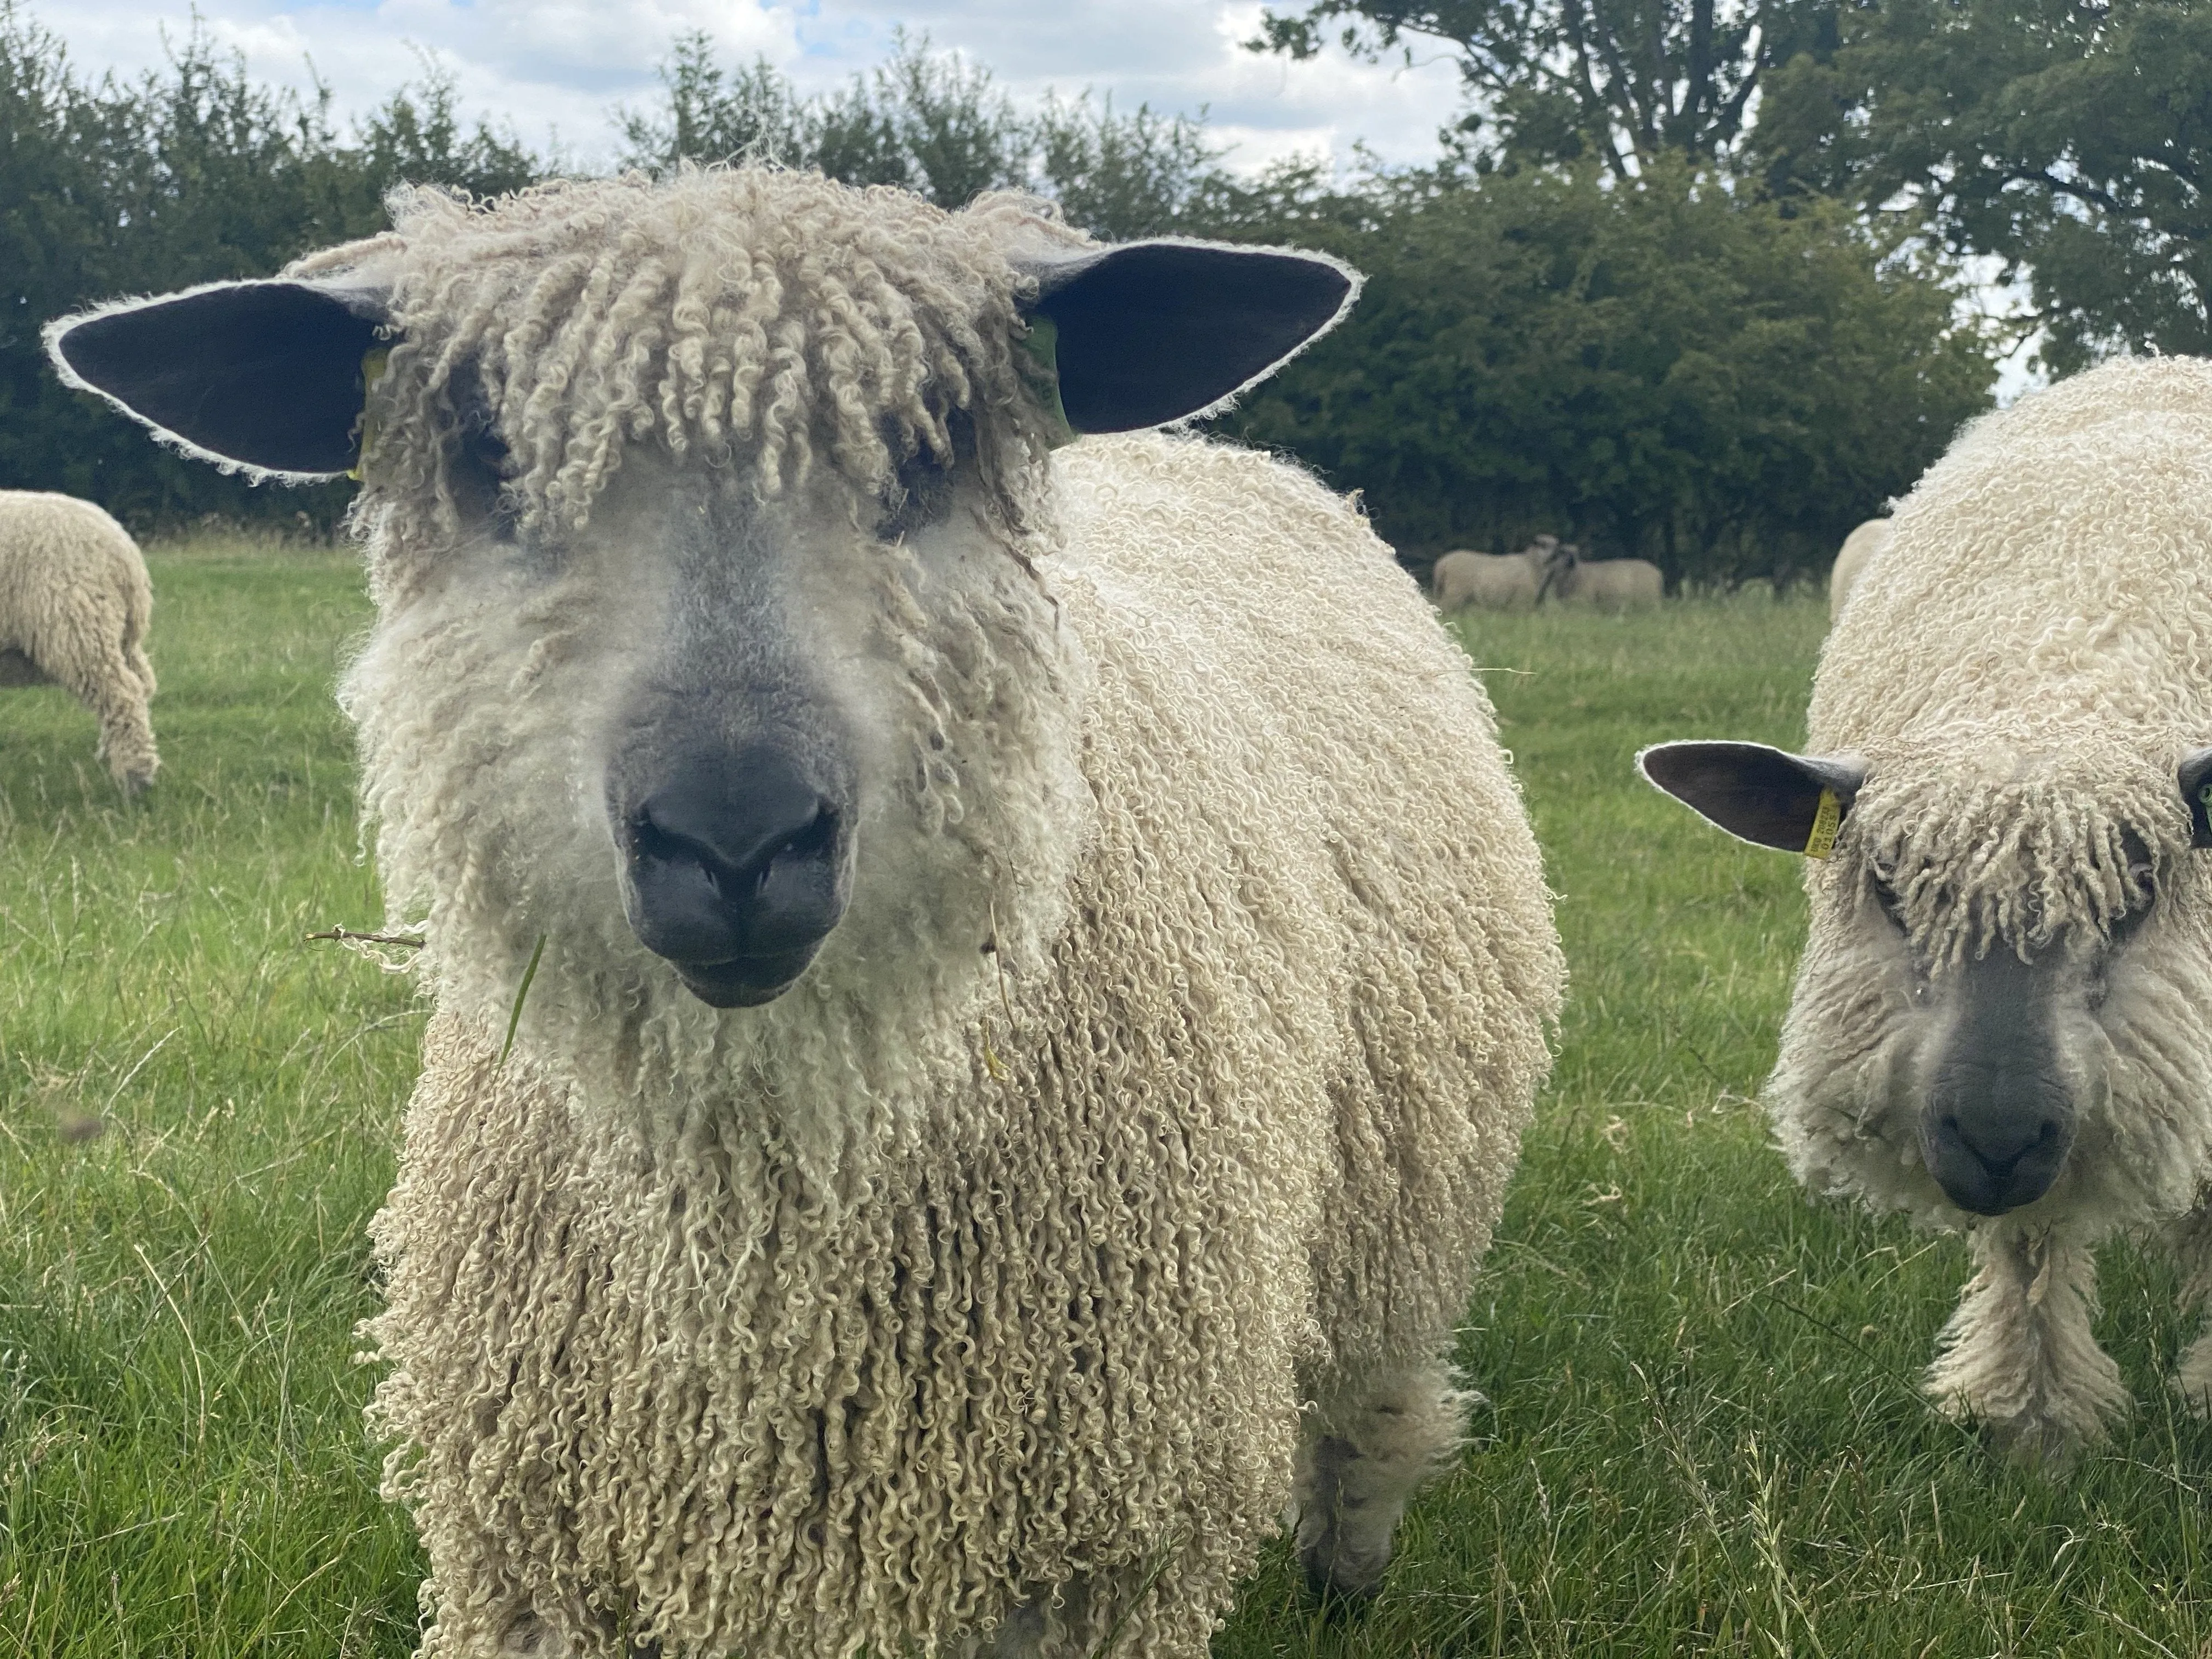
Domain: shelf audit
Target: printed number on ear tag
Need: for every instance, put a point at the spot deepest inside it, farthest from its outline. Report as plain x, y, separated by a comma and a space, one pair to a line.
1830, 814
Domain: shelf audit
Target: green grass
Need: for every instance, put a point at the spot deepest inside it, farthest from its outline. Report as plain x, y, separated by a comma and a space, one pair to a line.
1703, 1435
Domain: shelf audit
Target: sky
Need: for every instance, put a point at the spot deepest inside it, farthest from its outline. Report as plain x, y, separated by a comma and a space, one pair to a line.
557, 70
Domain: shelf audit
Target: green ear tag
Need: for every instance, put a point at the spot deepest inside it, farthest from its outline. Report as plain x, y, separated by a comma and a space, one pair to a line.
1826, 819
372, 365
1043, 344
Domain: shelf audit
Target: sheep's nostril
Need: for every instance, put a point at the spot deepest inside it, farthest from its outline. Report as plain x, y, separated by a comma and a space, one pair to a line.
735, 870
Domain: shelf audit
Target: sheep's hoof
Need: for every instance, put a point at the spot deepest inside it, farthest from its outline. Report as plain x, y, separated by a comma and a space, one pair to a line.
1340, 1575
2034, 1443
2193, 1382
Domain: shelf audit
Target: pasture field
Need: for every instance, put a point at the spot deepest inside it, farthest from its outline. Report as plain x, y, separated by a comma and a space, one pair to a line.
1702, 1435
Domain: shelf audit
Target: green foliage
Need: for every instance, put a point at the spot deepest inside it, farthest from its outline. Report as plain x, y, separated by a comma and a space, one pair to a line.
936, 124
1701, 1441
1654, 364
1664, 369
195, 175
2071, 142
1628, 80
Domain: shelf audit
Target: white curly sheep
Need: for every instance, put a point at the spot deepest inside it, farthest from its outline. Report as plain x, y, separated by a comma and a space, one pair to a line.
1860, 546
2004, 1009
1030, 1028
74, 604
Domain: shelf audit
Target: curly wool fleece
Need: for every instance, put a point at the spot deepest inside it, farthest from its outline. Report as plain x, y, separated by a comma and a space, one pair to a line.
75, 607
2021, 670
744, 316
762, 1333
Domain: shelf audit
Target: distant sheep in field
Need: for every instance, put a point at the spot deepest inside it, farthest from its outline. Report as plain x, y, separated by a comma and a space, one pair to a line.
1027, 1027
75, 605
1861, 545
1604, 584
1491, 581
2003, 1017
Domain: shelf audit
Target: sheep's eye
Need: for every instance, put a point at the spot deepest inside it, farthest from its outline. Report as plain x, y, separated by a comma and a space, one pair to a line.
920, 496
2128, 923
484, 452
1885, 894
478, 462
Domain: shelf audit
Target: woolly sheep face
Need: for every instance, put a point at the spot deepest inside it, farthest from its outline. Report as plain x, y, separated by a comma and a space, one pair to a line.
1955, 1042
702, 520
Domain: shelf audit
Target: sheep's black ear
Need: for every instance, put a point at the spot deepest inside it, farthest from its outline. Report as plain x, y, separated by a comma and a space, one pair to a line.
1765, 796
266, 376
2194, 776
1151, 332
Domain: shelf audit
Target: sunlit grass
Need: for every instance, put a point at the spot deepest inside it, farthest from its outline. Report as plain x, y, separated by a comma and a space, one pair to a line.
1703, 1435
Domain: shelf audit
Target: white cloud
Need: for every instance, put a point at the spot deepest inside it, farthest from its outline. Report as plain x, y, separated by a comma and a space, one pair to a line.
562, 66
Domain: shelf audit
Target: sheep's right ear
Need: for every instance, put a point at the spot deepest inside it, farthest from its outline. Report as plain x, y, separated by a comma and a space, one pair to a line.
265, 376
1768, 796
1149, 333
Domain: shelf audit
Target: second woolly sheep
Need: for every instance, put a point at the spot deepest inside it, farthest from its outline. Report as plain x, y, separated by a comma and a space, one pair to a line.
75, 605
2003, 1016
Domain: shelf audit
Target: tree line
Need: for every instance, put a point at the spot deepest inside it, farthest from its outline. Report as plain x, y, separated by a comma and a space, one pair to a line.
1687, 282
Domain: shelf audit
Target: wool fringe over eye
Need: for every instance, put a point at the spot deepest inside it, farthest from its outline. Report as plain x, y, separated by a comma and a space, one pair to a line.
1978, 867
747, 316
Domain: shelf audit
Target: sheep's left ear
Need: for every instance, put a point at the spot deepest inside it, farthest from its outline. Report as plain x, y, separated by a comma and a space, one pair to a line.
1769, 797
267, 376
1149, 333
2194, 776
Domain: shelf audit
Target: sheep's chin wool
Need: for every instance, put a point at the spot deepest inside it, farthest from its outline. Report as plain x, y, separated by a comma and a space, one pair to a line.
1147, 1114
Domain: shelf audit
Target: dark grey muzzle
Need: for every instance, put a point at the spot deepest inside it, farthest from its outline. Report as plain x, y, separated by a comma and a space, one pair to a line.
1995, 1138
1999, 1117
735, 868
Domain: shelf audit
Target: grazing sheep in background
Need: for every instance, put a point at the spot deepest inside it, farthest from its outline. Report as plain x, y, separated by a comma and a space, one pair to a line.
2004, 1011
74, 604
1604, 584
1029, 1029
1861, 545
1490, 581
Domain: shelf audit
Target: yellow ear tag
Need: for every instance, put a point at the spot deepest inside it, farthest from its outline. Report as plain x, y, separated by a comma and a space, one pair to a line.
1826, 819
372, 365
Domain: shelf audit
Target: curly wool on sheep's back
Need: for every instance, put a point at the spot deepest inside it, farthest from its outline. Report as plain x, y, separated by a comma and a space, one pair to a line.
2023, 745
1243, 1137
74, 608
734, 313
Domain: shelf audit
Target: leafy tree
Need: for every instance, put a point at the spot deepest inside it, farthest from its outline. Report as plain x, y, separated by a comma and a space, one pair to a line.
1662, 369
2070, 139
193, 174
936, 125
1626, 81
1127, 176
928, 122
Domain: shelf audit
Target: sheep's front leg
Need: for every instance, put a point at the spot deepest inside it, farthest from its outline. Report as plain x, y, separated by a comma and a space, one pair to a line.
2018, 1357
1361, 1462
2190, 1241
